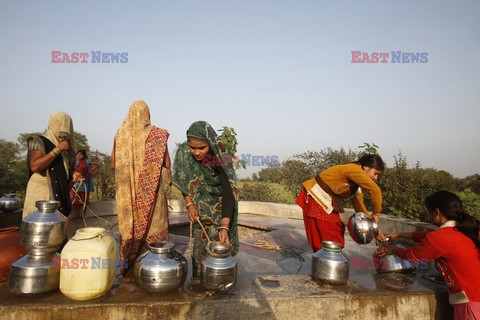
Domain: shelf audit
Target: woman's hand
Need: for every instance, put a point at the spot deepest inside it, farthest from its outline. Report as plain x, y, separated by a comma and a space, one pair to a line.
392, 236
385, 250
223, 236
381, 237
192, 213
63, 145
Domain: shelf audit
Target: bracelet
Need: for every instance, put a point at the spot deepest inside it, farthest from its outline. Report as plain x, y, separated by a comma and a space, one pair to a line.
189, 204
52, 154
56, 151
226, 228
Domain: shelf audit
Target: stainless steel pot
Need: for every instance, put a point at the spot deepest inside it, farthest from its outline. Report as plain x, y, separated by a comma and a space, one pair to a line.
218, 271
44, 230
392, 262
362, 229
10, 202
329, 264
32, 275
161, 269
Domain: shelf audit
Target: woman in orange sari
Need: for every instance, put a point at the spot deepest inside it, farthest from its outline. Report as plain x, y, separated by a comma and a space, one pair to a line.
142, 177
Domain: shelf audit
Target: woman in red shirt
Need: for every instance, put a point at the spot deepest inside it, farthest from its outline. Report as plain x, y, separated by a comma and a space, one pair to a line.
455, 247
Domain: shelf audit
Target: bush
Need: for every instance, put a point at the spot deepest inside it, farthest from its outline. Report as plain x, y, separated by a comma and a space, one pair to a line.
264, 192
471, 202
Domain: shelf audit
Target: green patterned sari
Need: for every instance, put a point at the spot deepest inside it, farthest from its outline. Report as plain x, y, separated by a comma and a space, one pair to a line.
203, 185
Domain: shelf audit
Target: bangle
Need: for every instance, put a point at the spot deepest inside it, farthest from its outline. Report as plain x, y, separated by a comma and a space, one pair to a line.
226, 228
56, 151
52, 154
189, 204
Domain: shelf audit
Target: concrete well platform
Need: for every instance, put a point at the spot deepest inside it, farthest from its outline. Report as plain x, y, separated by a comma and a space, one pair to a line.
274, 282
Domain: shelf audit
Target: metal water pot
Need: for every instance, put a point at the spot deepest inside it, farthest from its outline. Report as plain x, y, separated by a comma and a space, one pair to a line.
161, 269
329, 264
10, 202
218, 271
392, 263
362, 229
44, 230
32, 275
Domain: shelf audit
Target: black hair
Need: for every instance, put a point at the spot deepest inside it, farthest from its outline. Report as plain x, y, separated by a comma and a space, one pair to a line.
451, 207
372, 161
84, 152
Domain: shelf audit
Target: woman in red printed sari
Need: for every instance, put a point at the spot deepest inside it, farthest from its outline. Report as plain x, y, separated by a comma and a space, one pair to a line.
142, 177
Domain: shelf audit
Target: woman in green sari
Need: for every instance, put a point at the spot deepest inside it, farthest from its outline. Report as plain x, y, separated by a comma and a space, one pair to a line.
203, 172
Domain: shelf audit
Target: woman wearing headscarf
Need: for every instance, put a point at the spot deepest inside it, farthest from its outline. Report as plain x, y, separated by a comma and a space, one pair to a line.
204, 174
51, 163
142, 177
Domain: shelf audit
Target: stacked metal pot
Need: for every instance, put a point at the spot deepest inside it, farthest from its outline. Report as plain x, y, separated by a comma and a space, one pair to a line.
10, 202
42, 233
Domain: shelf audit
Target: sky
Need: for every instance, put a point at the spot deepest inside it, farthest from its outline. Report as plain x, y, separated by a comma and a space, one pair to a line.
279, 72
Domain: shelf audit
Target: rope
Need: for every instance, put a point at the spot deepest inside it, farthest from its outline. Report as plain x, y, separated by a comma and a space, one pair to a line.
85, 206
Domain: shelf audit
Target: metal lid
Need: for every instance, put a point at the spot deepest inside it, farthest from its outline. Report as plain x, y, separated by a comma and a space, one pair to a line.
47, 205
331, 246
161, 246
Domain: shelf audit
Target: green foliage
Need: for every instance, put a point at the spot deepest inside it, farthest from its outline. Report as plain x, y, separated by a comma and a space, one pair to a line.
368, 148
13, 176
229, 139
79, 140
104, 181
291, 173
471, 202
317, 161
265, 192
404, 190
471, 183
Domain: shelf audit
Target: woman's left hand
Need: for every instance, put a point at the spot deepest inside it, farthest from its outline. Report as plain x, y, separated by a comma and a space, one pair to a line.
386, 250
223, 236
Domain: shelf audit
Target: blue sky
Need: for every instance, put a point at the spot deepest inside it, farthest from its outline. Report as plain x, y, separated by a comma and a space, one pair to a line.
279, 72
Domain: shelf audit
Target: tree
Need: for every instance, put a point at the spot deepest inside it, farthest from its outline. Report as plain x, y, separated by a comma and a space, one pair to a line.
79, 139
104, 181
317, 161
14, 177
229, 139
404, 189
471, 183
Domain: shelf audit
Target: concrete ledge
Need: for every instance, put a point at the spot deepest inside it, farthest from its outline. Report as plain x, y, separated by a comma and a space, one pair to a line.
296, 297
388, 224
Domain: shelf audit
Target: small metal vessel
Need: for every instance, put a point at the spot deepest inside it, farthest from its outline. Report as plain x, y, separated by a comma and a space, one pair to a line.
161, 269
391, 262
329, 264
32, 275
10, 202
44, 230
218, 271
362, 229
